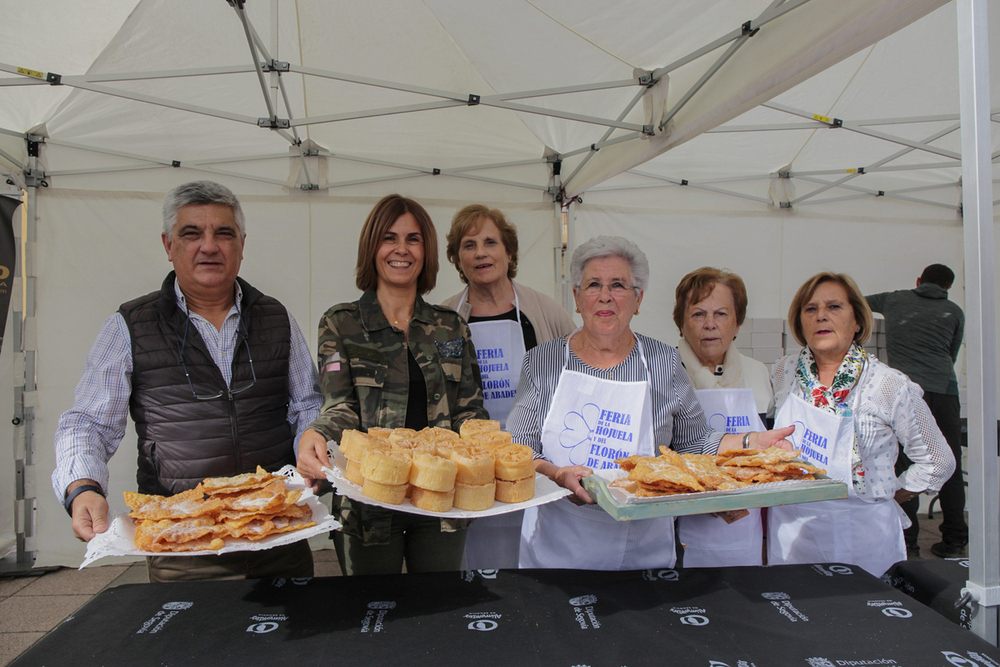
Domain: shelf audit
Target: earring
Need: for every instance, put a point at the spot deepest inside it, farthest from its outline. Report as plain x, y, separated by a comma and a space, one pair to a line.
578, 309
636, 311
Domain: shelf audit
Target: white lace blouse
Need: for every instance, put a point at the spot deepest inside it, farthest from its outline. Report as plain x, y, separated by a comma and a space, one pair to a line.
888, 409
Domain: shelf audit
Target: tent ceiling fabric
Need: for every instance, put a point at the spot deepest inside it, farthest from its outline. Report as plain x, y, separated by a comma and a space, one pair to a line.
380, 91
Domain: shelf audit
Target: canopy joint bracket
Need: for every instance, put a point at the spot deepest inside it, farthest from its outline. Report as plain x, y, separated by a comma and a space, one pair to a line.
275, 66
274, 123
175, 164
435, 172
749, 30
54, 79
474, 100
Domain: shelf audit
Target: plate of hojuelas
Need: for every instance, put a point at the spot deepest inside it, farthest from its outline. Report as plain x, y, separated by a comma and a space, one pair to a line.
247, 512
476, 472
674, 484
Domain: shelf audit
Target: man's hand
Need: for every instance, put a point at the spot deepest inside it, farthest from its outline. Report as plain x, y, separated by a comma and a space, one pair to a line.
90, 512
312, 459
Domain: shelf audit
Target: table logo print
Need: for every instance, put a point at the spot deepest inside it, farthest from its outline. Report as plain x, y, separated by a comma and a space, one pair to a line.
381, 605
819, 662
961, 661
776, 596
897, 612
661, 575
263, 628
171, 606
483, 625
583, 600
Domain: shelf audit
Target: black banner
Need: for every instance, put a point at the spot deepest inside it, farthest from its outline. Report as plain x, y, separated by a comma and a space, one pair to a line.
8, 255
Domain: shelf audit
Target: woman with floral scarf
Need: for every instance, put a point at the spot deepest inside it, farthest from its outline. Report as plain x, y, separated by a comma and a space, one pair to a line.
849, 411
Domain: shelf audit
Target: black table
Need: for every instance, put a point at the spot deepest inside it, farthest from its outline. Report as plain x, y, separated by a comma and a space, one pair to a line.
937, 584
809, 615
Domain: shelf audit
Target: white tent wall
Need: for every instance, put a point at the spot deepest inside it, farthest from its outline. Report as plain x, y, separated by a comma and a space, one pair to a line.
99, 249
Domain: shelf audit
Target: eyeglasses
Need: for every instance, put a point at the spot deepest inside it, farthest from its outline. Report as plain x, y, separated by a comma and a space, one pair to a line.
244, 334
616, 287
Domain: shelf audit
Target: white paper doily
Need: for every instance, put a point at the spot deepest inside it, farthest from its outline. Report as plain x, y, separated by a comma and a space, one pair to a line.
545, 492
119, 539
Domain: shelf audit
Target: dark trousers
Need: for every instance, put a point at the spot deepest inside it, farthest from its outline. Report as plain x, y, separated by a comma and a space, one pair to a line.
292, 560
954, 530
414, 538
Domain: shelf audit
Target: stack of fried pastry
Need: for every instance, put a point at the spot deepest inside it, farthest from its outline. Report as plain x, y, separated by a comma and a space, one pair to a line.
439, 469
672, 473
250, 506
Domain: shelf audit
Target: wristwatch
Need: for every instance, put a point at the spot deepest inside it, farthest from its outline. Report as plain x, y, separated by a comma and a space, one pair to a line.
68, 503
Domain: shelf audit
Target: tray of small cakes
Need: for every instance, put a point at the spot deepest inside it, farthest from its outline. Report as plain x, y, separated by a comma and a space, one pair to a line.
477, 472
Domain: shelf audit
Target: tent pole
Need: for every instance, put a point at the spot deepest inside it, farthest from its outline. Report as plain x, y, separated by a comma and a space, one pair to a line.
980, 308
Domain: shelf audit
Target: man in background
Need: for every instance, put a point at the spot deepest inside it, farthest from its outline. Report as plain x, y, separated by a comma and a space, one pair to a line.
923, 335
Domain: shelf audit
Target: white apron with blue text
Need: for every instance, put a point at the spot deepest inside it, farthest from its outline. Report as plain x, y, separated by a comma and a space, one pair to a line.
493, 542
499, 350
708, 540
591, 422
853, 531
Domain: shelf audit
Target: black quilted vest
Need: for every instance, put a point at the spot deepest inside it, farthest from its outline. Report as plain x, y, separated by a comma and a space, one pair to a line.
183, 439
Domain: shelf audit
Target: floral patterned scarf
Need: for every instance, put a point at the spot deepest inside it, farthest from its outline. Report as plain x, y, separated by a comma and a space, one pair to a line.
834, 398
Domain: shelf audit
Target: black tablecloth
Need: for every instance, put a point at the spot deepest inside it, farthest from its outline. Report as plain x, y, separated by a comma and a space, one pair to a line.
810, 615
937, 584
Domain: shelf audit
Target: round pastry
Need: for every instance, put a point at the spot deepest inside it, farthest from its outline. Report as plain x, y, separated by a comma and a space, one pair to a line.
432, 501
475, 496
515, 491
436, 434
444, 448
475, 464
471, 426
433, 473
353, 444
413, 446
384, 493
353, 472
402, 434
491, 439
387, 466
514, 462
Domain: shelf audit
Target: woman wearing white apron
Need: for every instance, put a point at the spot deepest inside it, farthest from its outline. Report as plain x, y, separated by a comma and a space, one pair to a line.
601, 394
734, 391
506, 319
850, 410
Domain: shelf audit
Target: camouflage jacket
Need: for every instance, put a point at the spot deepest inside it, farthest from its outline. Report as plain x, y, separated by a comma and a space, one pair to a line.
364, 380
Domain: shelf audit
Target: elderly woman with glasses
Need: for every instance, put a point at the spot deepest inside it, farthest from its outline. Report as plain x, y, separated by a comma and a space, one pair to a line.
851, 413
735, 393
392, 360
601, 393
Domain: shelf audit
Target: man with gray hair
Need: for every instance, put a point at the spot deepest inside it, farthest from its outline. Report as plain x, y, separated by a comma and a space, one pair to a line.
217, 377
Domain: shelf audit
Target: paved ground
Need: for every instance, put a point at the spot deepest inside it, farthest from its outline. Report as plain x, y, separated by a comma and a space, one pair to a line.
31, 606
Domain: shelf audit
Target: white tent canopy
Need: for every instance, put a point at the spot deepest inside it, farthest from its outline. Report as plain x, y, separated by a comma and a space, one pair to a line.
774, 138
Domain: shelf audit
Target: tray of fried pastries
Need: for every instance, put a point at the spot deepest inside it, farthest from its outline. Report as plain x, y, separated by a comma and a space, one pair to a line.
674, 484
248, 512
477, 472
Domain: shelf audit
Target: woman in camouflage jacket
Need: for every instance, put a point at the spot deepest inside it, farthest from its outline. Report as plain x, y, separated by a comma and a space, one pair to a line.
392, 360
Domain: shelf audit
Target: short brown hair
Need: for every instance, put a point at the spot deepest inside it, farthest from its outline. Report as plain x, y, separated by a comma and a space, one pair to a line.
697, 285
387, 211
469, 221
862, 311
